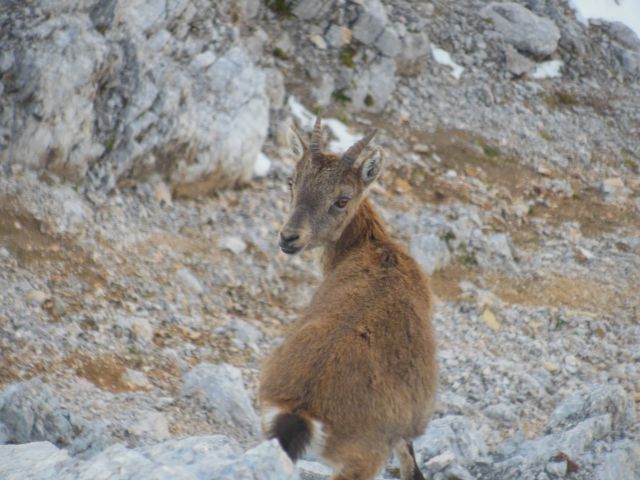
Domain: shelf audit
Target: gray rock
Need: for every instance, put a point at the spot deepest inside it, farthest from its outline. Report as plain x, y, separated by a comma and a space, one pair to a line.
430, 251
614, 189
378, 81
440, 462
310, 9
338, 36
234, 244
630, 61
31, 412
133, 100
371, 22
4, 434
600, 400
522, 28
191, 458
313, 470
575, 425
243, 331
150, 425
557, 469
502, 413
623, 461
189, 280
624, 35
221, 389
388, 43
517, 64
493, 251
414, 52
37, 460
452, 433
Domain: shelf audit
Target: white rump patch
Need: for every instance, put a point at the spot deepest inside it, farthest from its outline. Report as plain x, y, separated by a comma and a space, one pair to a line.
318, 436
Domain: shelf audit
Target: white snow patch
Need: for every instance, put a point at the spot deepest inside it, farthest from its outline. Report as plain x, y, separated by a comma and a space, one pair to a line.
550, 69
624, 11
303, 116
444, 58
344, 138
262, 165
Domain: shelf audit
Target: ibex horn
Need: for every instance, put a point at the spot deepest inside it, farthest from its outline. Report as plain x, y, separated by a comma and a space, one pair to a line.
316, 139
351, 155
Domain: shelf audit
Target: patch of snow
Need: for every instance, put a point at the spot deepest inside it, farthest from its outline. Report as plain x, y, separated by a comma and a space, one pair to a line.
262, 165
344, 139
624, 11
304, 117
550, 69
343, 136
444, 58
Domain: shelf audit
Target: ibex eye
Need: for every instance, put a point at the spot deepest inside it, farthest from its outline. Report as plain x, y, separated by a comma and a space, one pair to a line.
341, 202
290, 182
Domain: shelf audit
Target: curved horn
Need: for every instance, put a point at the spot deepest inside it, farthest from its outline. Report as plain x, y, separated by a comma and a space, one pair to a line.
351, 155
316, 139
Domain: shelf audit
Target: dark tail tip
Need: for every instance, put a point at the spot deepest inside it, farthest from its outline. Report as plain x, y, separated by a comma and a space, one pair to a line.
293, 432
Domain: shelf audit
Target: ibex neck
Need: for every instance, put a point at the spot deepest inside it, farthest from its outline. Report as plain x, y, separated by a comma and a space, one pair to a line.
366, 228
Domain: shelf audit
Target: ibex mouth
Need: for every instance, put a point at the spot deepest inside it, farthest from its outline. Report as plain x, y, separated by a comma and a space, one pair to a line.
290, 249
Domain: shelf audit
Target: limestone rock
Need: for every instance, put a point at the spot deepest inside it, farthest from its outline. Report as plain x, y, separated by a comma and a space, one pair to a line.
192, 458
127, 91
220, 388
431, 252
517, 64
31, 412
451, 433
522, 28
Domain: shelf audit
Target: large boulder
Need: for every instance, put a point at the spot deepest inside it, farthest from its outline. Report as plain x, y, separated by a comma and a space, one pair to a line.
192, 458
522, 28
220, 389
29, 412
120, 92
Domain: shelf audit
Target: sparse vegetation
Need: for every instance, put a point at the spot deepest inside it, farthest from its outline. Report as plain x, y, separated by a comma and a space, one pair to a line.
344, 118
490, 151
546, 135
346, 56
447, 236
465, 256
340, 95
280, 7
369, 101
560, 98
279, 53
109, 143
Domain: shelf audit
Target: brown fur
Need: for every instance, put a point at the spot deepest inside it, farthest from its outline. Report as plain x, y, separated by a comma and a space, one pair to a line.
362, 358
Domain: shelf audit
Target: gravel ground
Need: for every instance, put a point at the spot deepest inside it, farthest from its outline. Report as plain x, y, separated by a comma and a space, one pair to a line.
520, 197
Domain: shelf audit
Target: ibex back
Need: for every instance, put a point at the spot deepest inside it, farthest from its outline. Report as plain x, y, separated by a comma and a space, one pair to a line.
357, 376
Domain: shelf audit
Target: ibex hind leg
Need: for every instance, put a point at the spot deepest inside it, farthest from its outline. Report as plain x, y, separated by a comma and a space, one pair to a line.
408, 466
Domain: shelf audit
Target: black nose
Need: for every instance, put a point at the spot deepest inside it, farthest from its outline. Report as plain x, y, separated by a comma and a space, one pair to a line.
284, 239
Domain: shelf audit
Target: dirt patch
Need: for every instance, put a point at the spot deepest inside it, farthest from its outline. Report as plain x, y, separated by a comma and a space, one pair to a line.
591, 212
106, 372
578, 293
445, 283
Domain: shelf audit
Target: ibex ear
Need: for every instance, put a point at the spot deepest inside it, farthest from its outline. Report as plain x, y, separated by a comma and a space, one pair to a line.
371, 166
296, 143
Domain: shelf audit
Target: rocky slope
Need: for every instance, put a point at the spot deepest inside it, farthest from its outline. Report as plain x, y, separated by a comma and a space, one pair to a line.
138, 296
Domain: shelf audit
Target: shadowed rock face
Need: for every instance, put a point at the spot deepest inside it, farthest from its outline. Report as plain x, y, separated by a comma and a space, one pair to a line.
124, 91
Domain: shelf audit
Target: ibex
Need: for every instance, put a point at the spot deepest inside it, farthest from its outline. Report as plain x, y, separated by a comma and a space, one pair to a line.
356, 378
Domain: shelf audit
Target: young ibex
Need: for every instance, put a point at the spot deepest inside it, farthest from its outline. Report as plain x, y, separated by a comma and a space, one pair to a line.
357, 376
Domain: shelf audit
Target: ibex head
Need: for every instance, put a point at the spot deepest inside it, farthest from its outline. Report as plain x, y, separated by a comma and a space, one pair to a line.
326, 189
